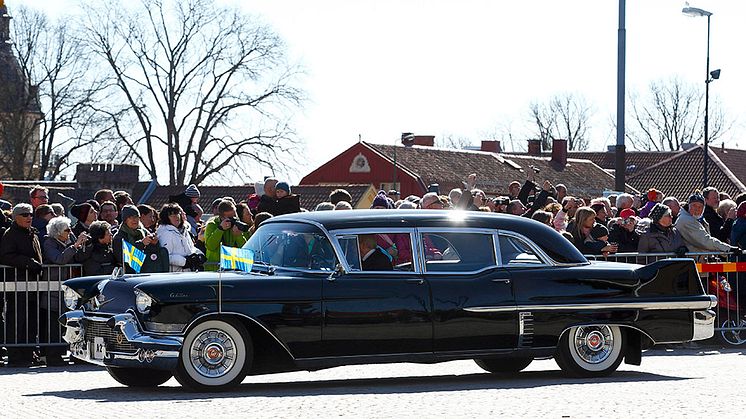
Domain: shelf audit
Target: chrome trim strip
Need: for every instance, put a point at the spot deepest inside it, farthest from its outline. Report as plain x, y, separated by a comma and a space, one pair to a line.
651, 305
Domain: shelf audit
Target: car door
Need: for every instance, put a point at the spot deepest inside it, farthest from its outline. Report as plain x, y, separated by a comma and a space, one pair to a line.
376, 312
473, 304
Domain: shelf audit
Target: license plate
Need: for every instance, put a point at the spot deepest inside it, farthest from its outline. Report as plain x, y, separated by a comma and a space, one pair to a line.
99, 348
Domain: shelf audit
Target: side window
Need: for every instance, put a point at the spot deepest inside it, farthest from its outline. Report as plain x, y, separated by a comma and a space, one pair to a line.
514, 251
384, 251
457, 252
292, 245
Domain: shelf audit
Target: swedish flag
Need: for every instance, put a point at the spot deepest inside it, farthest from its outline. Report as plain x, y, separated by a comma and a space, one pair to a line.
132, 256
234, 258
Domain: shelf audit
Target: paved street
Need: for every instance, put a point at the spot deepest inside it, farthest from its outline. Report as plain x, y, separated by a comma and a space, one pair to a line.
692, 383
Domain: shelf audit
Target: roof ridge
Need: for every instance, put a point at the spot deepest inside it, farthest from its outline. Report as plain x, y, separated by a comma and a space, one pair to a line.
733, 178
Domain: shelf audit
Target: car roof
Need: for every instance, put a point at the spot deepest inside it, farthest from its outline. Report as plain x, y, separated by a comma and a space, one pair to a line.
546, 237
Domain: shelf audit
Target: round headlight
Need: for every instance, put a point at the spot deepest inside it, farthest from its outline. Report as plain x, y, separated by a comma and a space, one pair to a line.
142, 301
71, 297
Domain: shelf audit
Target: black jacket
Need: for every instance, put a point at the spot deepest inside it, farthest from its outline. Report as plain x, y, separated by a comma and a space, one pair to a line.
719, 228
377, 261
628, 241
267, 204
20, 248
97, 259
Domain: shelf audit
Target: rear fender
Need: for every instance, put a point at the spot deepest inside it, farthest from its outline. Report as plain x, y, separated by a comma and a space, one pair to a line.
669, 277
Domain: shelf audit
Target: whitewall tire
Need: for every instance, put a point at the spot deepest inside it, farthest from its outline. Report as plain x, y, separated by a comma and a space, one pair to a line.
590, 351
215, 356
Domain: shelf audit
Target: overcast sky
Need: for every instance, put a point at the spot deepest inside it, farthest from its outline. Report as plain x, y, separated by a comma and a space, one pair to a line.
377, 68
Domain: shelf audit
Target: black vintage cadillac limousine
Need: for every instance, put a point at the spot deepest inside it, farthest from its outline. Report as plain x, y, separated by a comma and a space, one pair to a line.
350, 287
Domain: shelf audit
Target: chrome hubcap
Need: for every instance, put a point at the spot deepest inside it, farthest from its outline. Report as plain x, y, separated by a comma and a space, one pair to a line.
213, 353
593, 343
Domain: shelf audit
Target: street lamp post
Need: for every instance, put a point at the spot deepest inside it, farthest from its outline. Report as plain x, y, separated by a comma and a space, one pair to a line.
695, 12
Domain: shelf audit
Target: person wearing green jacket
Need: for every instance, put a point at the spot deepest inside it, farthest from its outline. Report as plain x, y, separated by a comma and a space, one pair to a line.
223, 230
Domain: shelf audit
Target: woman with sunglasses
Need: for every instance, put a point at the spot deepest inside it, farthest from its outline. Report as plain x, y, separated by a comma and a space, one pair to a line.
60, 245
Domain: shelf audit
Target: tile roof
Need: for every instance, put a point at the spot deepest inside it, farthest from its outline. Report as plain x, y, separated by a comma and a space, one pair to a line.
448, 167
676, 177
641, 160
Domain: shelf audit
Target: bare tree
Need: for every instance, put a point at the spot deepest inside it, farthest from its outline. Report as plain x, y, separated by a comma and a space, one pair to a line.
51, 58
452, 141
565, 116
671, 114
203, 87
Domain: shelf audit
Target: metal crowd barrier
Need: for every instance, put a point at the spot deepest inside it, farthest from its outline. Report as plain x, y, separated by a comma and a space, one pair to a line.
723, 275
32, 304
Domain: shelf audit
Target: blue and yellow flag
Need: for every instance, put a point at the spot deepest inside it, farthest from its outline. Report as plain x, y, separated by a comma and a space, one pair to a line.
132, 256
234, 258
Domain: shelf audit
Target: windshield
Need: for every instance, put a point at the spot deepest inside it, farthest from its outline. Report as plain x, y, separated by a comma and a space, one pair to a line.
292, 245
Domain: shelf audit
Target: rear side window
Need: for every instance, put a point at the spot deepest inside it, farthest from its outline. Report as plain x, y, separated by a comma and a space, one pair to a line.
382, 251
457, 252
514, 251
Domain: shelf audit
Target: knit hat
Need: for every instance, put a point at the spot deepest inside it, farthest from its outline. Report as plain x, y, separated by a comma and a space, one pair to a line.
284, 186
627, 212
696, 197
192, 192
80, 211
129, 211
658, 212
741, 211
599, 230
381, 200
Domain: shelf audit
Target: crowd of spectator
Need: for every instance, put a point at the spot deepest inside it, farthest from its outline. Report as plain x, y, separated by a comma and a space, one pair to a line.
180, 236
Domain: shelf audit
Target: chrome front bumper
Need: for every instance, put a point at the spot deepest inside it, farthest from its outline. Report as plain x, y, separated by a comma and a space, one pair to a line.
121, 342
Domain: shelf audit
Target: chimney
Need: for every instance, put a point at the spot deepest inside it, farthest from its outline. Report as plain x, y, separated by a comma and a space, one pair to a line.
534, 147
424, 140
559, 152
492, 146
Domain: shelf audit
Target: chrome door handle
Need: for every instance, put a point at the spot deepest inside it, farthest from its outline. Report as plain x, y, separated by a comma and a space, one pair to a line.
418, 281
503, 280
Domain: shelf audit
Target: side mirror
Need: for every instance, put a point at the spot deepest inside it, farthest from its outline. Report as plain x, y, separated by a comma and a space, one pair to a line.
339, 270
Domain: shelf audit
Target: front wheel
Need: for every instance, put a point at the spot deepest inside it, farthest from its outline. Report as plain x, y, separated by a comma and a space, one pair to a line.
215, 356
590, 351
139, 377
503, 365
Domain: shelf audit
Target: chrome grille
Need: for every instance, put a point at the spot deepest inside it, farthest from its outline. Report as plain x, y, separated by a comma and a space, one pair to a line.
94, 328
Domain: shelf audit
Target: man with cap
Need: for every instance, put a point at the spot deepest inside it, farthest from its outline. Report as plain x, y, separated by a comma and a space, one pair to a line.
696, 235
431, 200
21, 249
286, 201
156, 257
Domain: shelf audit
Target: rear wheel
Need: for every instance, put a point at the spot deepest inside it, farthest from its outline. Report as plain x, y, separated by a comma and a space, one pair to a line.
503, 365
139, 377
590, 351
215, 356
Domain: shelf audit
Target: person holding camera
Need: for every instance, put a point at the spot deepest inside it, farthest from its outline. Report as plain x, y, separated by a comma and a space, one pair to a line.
224, 229
156, 257
173, 233
60, 245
